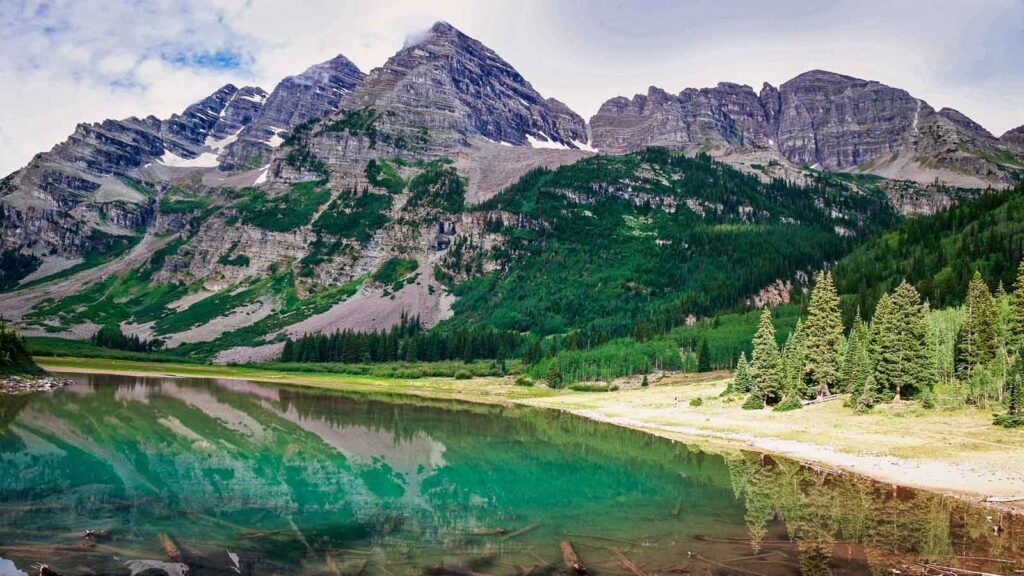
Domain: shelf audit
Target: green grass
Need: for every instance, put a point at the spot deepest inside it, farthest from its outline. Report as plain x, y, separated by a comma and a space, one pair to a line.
290, 309
43, 346
410, 370
179, 205
286, 211
90, 260
383, 175
728, 335
355, 217
394, 269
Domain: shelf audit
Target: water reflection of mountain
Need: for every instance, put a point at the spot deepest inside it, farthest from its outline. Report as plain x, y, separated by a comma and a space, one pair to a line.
215, 462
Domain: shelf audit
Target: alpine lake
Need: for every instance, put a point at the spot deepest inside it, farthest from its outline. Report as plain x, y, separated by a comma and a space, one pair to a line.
155, 475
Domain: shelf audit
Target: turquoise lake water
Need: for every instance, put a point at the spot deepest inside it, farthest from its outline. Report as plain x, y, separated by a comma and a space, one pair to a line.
233, 477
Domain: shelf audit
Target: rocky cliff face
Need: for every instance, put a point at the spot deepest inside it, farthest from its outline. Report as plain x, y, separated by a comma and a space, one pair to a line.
64, 202
313, 94
453, 87
818, 119
1014, 138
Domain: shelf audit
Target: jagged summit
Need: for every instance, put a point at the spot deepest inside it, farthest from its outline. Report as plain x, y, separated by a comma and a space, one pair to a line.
315, 93
458, 88
818, 119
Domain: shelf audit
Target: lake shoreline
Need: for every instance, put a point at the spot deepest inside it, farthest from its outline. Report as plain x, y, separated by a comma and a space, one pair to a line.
960, 469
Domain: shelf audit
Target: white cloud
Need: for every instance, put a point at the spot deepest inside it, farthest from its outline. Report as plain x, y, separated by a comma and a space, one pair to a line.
69, 61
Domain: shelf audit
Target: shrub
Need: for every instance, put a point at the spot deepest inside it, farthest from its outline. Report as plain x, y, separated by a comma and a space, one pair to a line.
790, 402
463, 375
524, 381
695, 402
928, 399
1009, 420
754, 402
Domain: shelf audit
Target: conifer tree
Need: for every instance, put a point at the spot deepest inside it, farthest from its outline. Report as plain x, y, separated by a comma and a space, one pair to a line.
977, 343
904, 364
703, 357
765, 362
1017, 311
1014, 396
554, 375
743, 382
794, 361
868, 396
824, 337
857, 361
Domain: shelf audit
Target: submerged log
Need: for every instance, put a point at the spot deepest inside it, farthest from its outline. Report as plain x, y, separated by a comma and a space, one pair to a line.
499, 531
626, 561
522, 531
572, 561
605, 538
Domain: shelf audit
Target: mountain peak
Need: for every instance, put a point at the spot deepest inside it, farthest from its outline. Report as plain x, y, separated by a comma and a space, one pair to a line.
1014, 138
443, 27
459, 87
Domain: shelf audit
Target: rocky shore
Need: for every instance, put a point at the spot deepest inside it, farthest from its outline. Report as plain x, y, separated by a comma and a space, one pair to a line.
25, 384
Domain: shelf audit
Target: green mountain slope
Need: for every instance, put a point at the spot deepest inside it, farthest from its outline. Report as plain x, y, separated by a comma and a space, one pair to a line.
617, 245
939, 253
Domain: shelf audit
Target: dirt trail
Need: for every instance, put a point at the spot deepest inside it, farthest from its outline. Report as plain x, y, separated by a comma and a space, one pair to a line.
14, 305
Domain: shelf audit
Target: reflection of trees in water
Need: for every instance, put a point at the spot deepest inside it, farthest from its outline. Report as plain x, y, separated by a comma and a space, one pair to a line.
10, 406
822, 509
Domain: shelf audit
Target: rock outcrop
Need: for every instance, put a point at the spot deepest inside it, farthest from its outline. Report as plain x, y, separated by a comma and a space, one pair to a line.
1014, 138
315, 93
71, 199
820, 120
453, 88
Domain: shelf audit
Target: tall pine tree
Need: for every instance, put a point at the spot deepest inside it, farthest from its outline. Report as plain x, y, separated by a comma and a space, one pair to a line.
794, 361
1017, 312
857, 360
703, 357
765, 362
977, 343
1013, 395
904, 362
743, 382
824, 337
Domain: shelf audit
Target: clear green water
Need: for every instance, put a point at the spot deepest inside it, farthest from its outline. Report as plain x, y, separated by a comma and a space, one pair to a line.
253, 479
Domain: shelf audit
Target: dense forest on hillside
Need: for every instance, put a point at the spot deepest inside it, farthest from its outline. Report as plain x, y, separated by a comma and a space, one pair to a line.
938, 254
632, 245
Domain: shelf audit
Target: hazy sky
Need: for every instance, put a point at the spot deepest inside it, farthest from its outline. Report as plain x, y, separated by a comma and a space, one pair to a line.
69, 61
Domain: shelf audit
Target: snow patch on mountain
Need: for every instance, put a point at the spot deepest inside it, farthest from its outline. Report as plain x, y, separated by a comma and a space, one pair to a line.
543, 142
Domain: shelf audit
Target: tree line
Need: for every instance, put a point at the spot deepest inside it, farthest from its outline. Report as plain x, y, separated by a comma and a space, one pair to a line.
406, 341
112, 337
905, 352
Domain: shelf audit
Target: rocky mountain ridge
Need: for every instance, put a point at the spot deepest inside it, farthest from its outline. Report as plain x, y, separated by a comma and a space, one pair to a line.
819, 120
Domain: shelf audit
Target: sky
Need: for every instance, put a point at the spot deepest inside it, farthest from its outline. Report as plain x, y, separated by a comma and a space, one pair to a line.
63, 62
